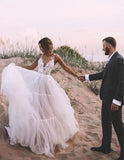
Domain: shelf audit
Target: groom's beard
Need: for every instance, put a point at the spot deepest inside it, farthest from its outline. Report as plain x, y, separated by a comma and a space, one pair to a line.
107, 51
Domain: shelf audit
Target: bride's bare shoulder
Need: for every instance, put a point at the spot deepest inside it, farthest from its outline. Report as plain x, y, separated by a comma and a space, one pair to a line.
38, 56
57, 56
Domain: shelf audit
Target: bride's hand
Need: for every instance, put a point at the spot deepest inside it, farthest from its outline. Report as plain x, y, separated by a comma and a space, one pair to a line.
81, 78
78, 77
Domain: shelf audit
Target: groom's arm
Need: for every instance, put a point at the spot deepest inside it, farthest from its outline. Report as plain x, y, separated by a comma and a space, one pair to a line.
119, 90
91, 77
119, 74
96, 76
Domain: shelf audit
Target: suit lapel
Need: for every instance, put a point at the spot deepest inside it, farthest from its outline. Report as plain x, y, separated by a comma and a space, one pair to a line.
109, 64
114, 56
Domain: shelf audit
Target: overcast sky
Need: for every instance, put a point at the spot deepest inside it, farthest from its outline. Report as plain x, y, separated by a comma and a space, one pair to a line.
81, 24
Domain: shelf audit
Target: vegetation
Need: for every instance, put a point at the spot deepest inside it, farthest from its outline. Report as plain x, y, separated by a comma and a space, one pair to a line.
96, 66
10, 49
70, 56
94, 86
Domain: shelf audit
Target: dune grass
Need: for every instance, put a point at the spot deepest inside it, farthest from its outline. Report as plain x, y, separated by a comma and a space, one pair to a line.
69, 55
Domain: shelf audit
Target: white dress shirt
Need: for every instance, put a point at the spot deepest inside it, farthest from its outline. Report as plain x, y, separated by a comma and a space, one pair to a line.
87, 79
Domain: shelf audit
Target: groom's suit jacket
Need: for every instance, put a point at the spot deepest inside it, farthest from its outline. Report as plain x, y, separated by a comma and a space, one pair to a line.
112, 76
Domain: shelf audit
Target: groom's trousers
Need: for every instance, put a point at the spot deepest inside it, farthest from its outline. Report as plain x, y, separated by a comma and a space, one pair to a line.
108, 118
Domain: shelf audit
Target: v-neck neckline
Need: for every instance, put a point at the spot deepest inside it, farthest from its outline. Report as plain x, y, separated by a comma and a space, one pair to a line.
44, 65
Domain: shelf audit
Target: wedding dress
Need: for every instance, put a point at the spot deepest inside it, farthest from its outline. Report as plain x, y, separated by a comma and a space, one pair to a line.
40, 114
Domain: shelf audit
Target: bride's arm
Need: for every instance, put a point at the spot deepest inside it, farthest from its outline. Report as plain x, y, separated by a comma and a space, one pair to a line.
64, 66
34, 64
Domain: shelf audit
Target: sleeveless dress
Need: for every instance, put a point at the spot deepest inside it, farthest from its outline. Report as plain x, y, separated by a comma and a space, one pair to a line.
40, 113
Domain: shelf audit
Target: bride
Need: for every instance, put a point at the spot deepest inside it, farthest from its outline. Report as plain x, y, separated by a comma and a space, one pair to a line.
40, 113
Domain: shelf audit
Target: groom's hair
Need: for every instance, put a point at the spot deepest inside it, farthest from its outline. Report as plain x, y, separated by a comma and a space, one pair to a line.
111, 41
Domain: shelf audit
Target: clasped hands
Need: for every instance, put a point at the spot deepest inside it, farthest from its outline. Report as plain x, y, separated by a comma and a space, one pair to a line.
81, 78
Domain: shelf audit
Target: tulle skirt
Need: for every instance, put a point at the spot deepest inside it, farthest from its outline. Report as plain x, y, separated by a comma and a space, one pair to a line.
40, 114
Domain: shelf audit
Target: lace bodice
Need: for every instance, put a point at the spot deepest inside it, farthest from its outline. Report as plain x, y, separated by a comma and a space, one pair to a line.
47, 68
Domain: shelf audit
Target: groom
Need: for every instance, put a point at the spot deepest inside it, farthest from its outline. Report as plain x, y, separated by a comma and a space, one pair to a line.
111, 94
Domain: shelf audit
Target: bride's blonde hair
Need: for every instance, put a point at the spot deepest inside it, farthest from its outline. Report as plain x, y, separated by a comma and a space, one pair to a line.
46, 44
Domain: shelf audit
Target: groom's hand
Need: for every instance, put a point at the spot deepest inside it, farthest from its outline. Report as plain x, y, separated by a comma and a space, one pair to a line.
114, 107
82, 78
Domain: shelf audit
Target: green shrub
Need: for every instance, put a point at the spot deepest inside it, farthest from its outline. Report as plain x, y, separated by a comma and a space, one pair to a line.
71, 57
96, 66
